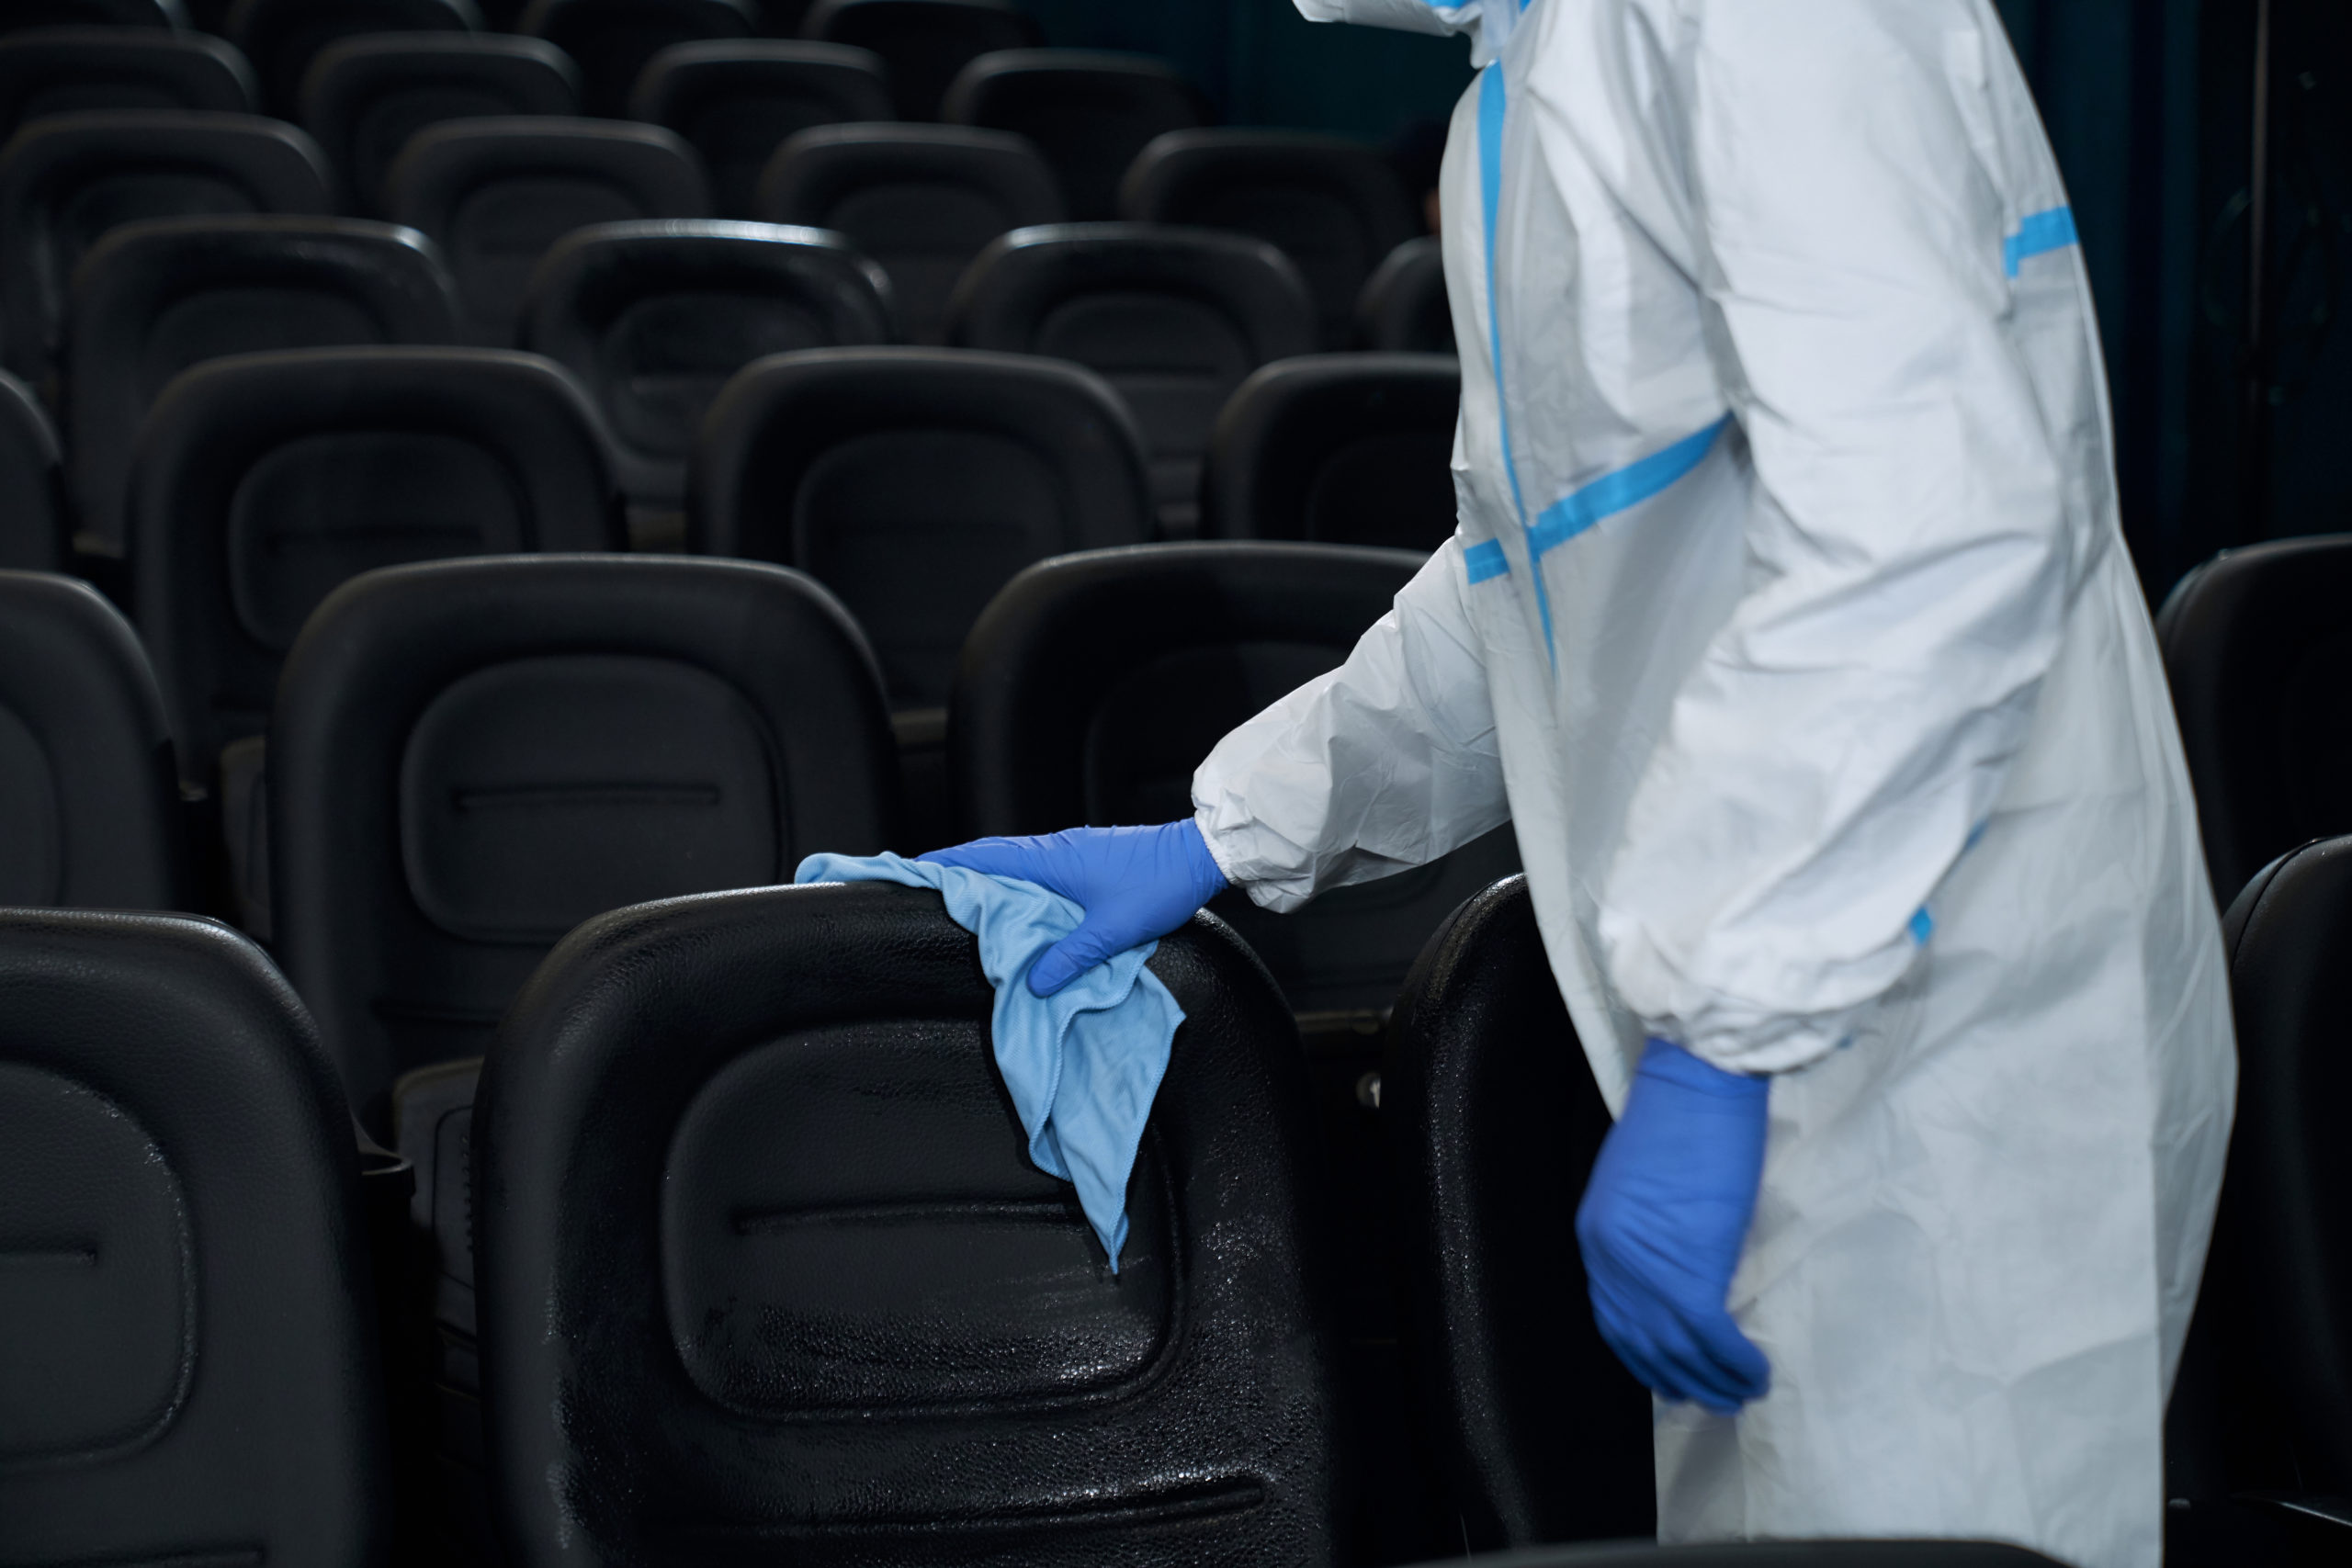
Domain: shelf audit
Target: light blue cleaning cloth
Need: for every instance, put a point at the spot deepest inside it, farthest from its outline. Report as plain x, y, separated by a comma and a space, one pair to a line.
1082, 1065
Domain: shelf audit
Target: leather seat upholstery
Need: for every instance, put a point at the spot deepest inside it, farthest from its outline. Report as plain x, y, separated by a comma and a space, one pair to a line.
67, 178
2255, 643
612, 39
65, 70
1340, 449
1087, 111
914, 483
33, 526
1095, 684
924, 42
283, 37
192, 1374
757, 1227
655, 317
1174, 319
737, 102
364, 97
263, 481
2261, 1422
87, 788
154, 298
497, 194
1335, 208
1492, 1122
924, 201
1404, 308
469, 758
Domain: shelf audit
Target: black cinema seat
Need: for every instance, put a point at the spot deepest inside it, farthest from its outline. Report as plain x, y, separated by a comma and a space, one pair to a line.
192, 1377
1491, 1122
1340, 449
153, 298
1095, 685
263, 481
924, 42
1173, 318
1335, 208
914, 483
1089, 113
655, 318
469, 758
475, 756
24, 14
2255, 646
737, 103
924, 201
66, 70
87, 788
283, 37
1404, 308
66, 179
2261, 1424
34, 531
767, 1276
612, 39
364, 97
497, 193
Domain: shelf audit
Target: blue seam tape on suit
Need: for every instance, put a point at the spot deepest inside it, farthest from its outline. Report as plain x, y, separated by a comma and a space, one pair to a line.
1614, 492
1486, 561
2038, 234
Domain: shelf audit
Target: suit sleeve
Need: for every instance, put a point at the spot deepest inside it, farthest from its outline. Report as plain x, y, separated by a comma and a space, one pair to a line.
1913, 546
1385, 764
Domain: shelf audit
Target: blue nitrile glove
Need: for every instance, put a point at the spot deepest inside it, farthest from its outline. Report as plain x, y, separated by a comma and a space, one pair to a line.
1136, 884
1662, 1223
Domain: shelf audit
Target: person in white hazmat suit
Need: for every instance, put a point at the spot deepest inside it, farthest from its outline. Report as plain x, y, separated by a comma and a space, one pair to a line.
1789, 622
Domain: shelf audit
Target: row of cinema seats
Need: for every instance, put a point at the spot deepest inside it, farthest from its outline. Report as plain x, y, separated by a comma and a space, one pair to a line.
652, 313
913, 483
923, 45
785, 133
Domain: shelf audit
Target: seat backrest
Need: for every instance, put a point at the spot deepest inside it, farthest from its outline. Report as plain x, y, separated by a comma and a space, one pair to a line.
364, 97
654, 318
1174, 319
469, 758
1492, 1122
282, 37
1335, 208
66, 179
497, 193
2255, 646
27, 15
914, 483
757, 1222
1095, 685
33, 526
2276, 1313
154, 298
263, 481
736, 103
1336, 448
612, 39
194, 1374
920, 199
1089, 113
87, 788
1404, 308
924, 42
67, 69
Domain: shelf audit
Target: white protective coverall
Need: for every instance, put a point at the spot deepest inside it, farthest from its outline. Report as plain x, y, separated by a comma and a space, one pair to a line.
1790, 621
